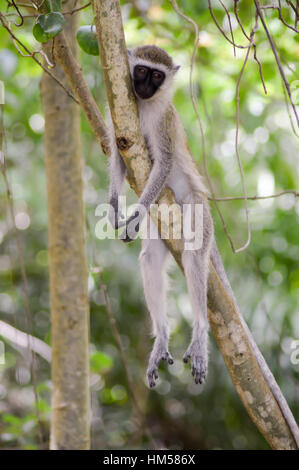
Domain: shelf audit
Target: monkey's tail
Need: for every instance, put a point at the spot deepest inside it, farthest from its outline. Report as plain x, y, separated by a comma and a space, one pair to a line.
268, 376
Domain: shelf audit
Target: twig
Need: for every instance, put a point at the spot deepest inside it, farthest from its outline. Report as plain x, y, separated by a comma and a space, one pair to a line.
238, 19
278, 8
71, 12
286, 83
254, 198
253, 44
221, 29
230, 25
19, 13
288, 110
242, 248
35, 15
283, 20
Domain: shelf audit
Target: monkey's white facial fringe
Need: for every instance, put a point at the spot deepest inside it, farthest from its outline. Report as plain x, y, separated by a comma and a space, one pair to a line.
189, 227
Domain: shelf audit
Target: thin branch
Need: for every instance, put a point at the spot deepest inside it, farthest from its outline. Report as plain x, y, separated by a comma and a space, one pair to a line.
238, 19
221, 29
281, 17
286, 83
254, 198
19, 14
237, 148
69, 12
230, 25
259, 66
22, 340
75, 10
278, 8
253, 44
288, 111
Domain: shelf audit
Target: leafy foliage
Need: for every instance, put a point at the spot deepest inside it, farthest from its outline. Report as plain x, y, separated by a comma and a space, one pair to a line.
48, 26
265, 277
87, 39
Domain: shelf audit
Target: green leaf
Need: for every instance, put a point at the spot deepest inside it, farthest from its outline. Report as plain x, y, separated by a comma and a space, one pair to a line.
48, 26
87, 39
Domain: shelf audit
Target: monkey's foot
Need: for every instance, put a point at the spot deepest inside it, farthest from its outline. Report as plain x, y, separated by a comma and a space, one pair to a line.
197, 353
158, 354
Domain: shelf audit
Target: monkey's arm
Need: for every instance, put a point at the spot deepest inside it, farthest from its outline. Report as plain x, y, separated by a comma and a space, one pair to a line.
155, 183
117, 172
162, 155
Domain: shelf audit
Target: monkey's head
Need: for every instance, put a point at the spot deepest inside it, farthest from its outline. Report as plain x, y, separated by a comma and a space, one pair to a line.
152, 71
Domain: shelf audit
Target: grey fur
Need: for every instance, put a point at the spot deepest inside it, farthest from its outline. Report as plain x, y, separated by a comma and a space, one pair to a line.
173, 165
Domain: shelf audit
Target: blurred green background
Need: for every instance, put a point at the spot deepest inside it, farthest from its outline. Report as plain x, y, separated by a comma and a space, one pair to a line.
265, 277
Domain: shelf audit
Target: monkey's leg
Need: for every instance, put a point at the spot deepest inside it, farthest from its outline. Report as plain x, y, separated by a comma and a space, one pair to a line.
153, 259
196, 272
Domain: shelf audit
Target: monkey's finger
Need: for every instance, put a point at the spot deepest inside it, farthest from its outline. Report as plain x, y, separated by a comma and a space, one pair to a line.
168, 357
152, 375
198, 378
125, 237
152, 383
186, 358
170, 360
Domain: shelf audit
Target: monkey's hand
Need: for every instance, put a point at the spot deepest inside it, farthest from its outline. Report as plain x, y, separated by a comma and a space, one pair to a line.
159, 353
197, 353
133, 225
115, 214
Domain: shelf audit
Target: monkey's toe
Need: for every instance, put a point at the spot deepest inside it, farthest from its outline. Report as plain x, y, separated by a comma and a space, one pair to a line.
199, 364
152, 376
167, 357
199, 370
126, 238
152, 371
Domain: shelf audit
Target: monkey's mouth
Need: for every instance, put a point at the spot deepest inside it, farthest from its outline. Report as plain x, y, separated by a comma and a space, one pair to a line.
144, 93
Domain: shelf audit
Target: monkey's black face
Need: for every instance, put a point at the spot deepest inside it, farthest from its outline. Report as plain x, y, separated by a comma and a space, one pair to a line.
147, 81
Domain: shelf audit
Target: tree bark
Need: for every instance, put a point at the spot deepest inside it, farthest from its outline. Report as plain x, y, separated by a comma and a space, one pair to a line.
68, 266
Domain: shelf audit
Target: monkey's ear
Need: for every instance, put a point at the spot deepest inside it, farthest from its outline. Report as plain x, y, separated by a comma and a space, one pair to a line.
176, 68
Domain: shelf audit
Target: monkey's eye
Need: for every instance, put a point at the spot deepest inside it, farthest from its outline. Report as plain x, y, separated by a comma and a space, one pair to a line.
157, 75
141, 70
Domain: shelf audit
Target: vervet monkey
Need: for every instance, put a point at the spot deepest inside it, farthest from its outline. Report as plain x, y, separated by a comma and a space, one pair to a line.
152, 71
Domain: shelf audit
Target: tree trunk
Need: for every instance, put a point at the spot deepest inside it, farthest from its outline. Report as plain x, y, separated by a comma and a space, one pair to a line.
67, 257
